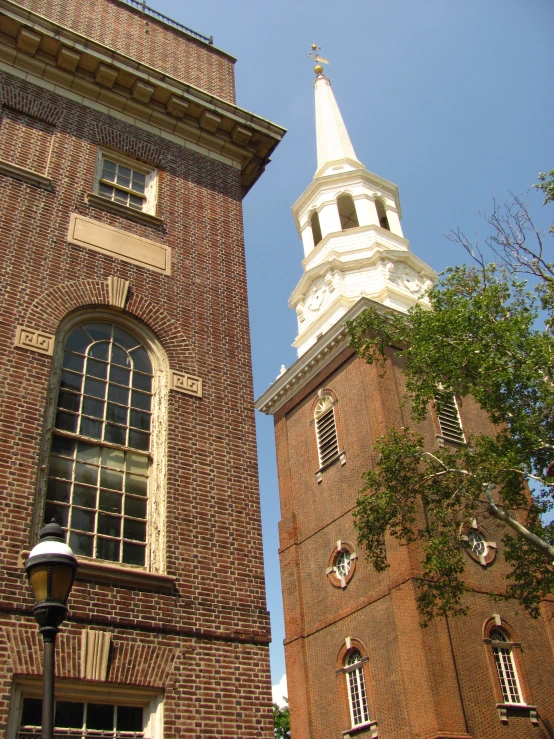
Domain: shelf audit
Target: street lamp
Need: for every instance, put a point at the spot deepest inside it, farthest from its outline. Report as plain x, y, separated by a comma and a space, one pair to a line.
51, 568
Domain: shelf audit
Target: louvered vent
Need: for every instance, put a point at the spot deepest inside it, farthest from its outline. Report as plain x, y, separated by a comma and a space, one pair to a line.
449, 418
326, 431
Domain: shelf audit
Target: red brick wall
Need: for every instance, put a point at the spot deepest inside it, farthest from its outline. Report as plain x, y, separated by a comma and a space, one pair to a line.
215, 628
420, 682
149, 41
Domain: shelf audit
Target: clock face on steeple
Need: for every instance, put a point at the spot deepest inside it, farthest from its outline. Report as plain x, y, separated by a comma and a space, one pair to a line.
316, 299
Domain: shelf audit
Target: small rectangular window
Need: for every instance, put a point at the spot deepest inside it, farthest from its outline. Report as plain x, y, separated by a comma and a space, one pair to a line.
126, 182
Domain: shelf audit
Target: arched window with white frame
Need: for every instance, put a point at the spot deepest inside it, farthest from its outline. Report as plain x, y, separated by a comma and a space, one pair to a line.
100, 466
356, 688
316, 227
326, 430
506, 666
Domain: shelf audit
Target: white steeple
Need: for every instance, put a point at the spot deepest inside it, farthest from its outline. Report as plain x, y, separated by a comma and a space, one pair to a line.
333, 141
349, 222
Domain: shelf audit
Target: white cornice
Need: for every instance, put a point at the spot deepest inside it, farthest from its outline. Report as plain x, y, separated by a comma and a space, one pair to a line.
180, 111
349, 177
310, 363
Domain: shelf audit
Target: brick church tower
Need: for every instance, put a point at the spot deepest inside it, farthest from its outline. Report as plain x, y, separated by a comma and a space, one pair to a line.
358, 662
126, 407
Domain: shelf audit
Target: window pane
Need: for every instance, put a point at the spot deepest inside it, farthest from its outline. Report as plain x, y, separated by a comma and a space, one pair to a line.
107, 549
84, 496
82, 520
135, 202
73, 361
111, 479
119, 375
120, 357
58, 490
134, 554
109, 166
118, 395
69, 401
61, 468
95, 388
110, 502
105, 190
32, 713
135, 485
115, 434
139, 440
135, 507
100, 716
56, 512
91, 428
61, 445
129, 718
134, 530
86, 473
77, 341
141, 361
71, 381
66, 422
109, 525
125, 339
99, 331
96, 369
100, 351
69, 715
140, 400
142, 382
88, 453
81, 544
113, 458
137, 463
140, 420
117, 414
93, 407
120, 197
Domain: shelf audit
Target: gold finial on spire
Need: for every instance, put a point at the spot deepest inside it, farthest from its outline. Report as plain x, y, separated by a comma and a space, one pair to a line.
318, 69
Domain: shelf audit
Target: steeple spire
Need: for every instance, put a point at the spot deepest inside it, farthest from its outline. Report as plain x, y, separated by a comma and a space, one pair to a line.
333, 141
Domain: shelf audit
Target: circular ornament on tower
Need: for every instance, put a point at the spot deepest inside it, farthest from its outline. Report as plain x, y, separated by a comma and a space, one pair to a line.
478, 544
342, 564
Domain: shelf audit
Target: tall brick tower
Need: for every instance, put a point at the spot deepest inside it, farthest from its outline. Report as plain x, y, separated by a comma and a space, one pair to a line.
358, 663
126, 406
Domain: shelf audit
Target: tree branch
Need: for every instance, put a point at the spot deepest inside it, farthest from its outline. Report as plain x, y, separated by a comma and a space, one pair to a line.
501, 515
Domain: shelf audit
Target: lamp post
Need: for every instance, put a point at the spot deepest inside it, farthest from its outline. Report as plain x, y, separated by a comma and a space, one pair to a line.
50, 568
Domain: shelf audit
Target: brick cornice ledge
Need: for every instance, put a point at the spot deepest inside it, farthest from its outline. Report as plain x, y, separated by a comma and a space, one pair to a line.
25, 175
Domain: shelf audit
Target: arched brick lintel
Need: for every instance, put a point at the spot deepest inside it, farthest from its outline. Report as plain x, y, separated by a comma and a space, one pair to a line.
48, 311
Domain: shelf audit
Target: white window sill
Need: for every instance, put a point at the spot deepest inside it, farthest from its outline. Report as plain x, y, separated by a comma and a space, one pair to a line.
97, 201
369, 726
515, 710
91, 570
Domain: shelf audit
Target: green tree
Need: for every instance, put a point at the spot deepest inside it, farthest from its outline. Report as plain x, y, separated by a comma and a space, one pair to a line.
488, 334
281, 721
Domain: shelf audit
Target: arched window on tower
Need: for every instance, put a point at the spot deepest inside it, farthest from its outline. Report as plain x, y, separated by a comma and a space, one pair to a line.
356, 687
100, 458
326, 430
347, 212
382, 214
506, 666
316, 227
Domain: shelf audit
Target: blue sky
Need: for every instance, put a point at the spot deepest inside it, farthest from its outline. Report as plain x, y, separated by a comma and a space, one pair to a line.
452, 101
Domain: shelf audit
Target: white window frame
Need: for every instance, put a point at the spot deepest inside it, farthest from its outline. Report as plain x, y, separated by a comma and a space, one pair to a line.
151, 701
356, 689
326, 432
503, 656
156, 555
151, 188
